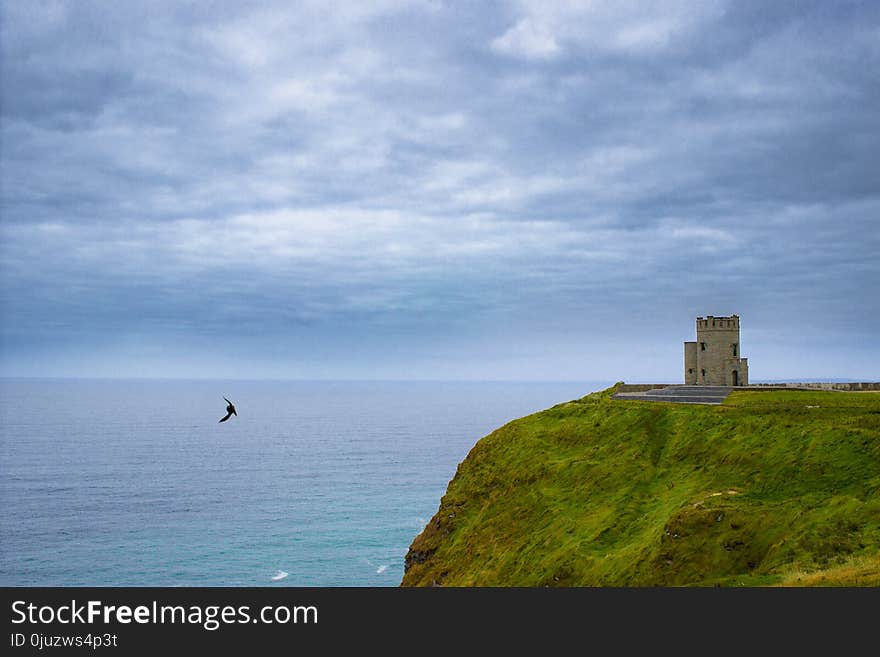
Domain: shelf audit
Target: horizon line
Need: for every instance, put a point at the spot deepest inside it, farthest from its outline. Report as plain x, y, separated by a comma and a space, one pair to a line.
610, 381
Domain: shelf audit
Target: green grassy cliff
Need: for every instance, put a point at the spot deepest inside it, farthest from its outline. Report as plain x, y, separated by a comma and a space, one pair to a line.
772, 487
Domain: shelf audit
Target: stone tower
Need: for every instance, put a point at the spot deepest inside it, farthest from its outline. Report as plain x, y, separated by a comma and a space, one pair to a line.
715, 359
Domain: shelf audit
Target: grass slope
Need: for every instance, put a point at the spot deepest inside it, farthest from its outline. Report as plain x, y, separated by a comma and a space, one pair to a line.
772, 487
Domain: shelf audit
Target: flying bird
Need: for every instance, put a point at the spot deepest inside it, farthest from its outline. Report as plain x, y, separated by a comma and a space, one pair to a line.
230, 410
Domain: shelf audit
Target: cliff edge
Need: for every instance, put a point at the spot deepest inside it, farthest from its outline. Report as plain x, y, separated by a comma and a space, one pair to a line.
768, 488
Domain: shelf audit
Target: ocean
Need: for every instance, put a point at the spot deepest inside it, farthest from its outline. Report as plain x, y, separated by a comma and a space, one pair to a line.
136, 483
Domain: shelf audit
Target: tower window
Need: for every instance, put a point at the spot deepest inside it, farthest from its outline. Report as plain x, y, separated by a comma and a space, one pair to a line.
734, 350
690, 370
702, 346
703, 372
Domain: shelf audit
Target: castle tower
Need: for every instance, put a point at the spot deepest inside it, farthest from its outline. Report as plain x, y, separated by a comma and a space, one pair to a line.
715, 358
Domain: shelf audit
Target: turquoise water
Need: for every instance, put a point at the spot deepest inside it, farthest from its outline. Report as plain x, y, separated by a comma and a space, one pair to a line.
135, 483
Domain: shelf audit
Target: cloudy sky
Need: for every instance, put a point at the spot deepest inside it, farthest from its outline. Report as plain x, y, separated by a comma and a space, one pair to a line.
438, 190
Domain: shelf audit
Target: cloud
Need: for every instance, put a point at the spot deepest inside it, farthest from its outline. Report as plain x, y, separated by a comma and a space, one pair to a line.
528, 38
514, 175
547, 30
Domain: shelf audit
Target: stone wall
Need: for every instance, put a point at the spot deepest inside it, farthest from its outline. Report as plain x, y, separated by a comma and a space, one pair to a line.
642, 387
853, 386
690, 363
719, 352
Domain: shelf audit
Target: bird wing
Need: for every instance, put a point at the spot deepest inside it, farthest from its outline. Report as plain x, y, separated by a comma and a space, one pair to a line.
233, 411
227, 401
226, 417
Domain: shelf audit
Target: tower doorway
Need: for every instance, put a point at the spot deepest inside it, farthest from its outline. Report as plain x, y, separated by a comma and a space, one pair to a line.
735, 378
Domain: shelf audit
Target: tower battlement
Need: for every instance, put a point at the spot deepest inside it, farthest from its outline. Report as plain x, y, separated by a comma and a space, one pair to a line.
710, 322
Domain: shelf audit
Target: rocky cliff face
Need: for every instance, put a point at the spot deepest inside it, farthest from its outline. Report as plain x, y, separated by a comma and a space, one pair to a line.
772, 487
